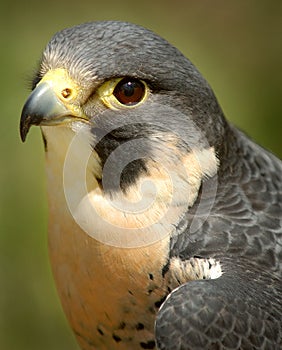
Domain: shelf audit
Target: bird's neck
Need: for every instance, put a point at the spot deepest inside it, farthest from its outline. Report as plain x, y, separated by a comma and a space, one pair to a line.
96, 281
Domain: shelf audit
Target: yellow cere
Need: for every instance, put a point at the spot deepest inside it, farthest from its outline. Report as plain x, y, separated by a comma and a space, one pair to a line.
63, 85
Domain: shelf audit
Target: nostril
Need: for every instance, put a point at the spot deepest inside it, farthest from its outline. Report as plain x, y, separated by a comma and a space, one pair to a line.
66, 93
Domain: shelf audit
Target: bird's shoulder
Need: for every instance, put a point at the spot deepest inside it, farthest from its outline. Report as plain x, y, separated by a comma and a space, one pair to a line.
239, 211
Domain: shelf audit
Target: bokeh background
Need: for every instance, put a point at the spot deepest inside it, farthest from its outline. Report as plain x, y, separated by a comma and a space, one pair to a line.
235, 44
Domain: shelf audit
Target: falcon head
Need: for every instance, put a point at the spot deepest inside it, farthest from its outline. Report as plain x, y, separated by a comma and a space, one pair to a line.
125, 114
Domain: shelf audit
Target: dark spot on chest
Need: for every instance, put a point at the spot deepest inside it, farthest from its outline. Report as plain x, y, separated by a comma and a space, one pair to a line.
159, 302
151, 344
140, 326
116, 338
122, 325
165, 269
100, 331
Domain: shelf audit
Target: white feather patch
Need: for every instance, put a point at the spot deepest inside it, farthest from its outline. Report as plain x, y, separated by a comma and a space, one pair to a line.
183, 271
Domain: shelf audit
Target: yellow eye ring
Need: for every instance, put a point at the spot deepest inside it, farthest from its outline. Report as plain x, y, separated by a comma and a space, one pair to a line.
123, 92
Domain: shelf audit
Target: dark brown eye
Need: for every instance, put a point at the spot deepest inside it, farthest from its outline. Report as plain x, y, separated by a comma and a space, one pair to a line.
129, 91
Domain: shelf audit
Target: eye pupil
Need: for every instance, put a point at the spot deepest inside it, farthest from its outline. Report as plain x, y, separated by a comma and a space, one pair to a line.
129, 91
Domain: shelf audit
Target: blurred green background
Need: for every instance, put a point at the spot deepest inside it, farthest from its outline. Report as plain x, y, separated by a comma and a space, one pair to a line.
235, 44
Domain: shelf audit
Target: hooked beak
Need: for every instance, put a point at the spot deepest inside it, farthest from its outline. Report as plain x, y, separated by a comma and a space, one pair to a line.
45, 107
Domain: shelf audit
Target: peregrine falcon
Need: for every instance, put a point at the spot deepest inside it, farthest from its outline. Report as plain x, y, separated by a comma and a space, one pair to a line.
165, 221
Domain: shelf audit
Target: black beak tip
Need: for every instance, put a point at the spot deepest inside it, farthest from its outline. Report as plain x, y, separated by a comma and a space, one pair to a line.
24, 127
23, 134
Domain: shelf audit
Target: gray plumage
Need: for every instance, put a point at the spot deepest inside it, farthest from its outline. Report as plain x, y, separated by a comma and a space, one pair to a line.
241, 309
237, 216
